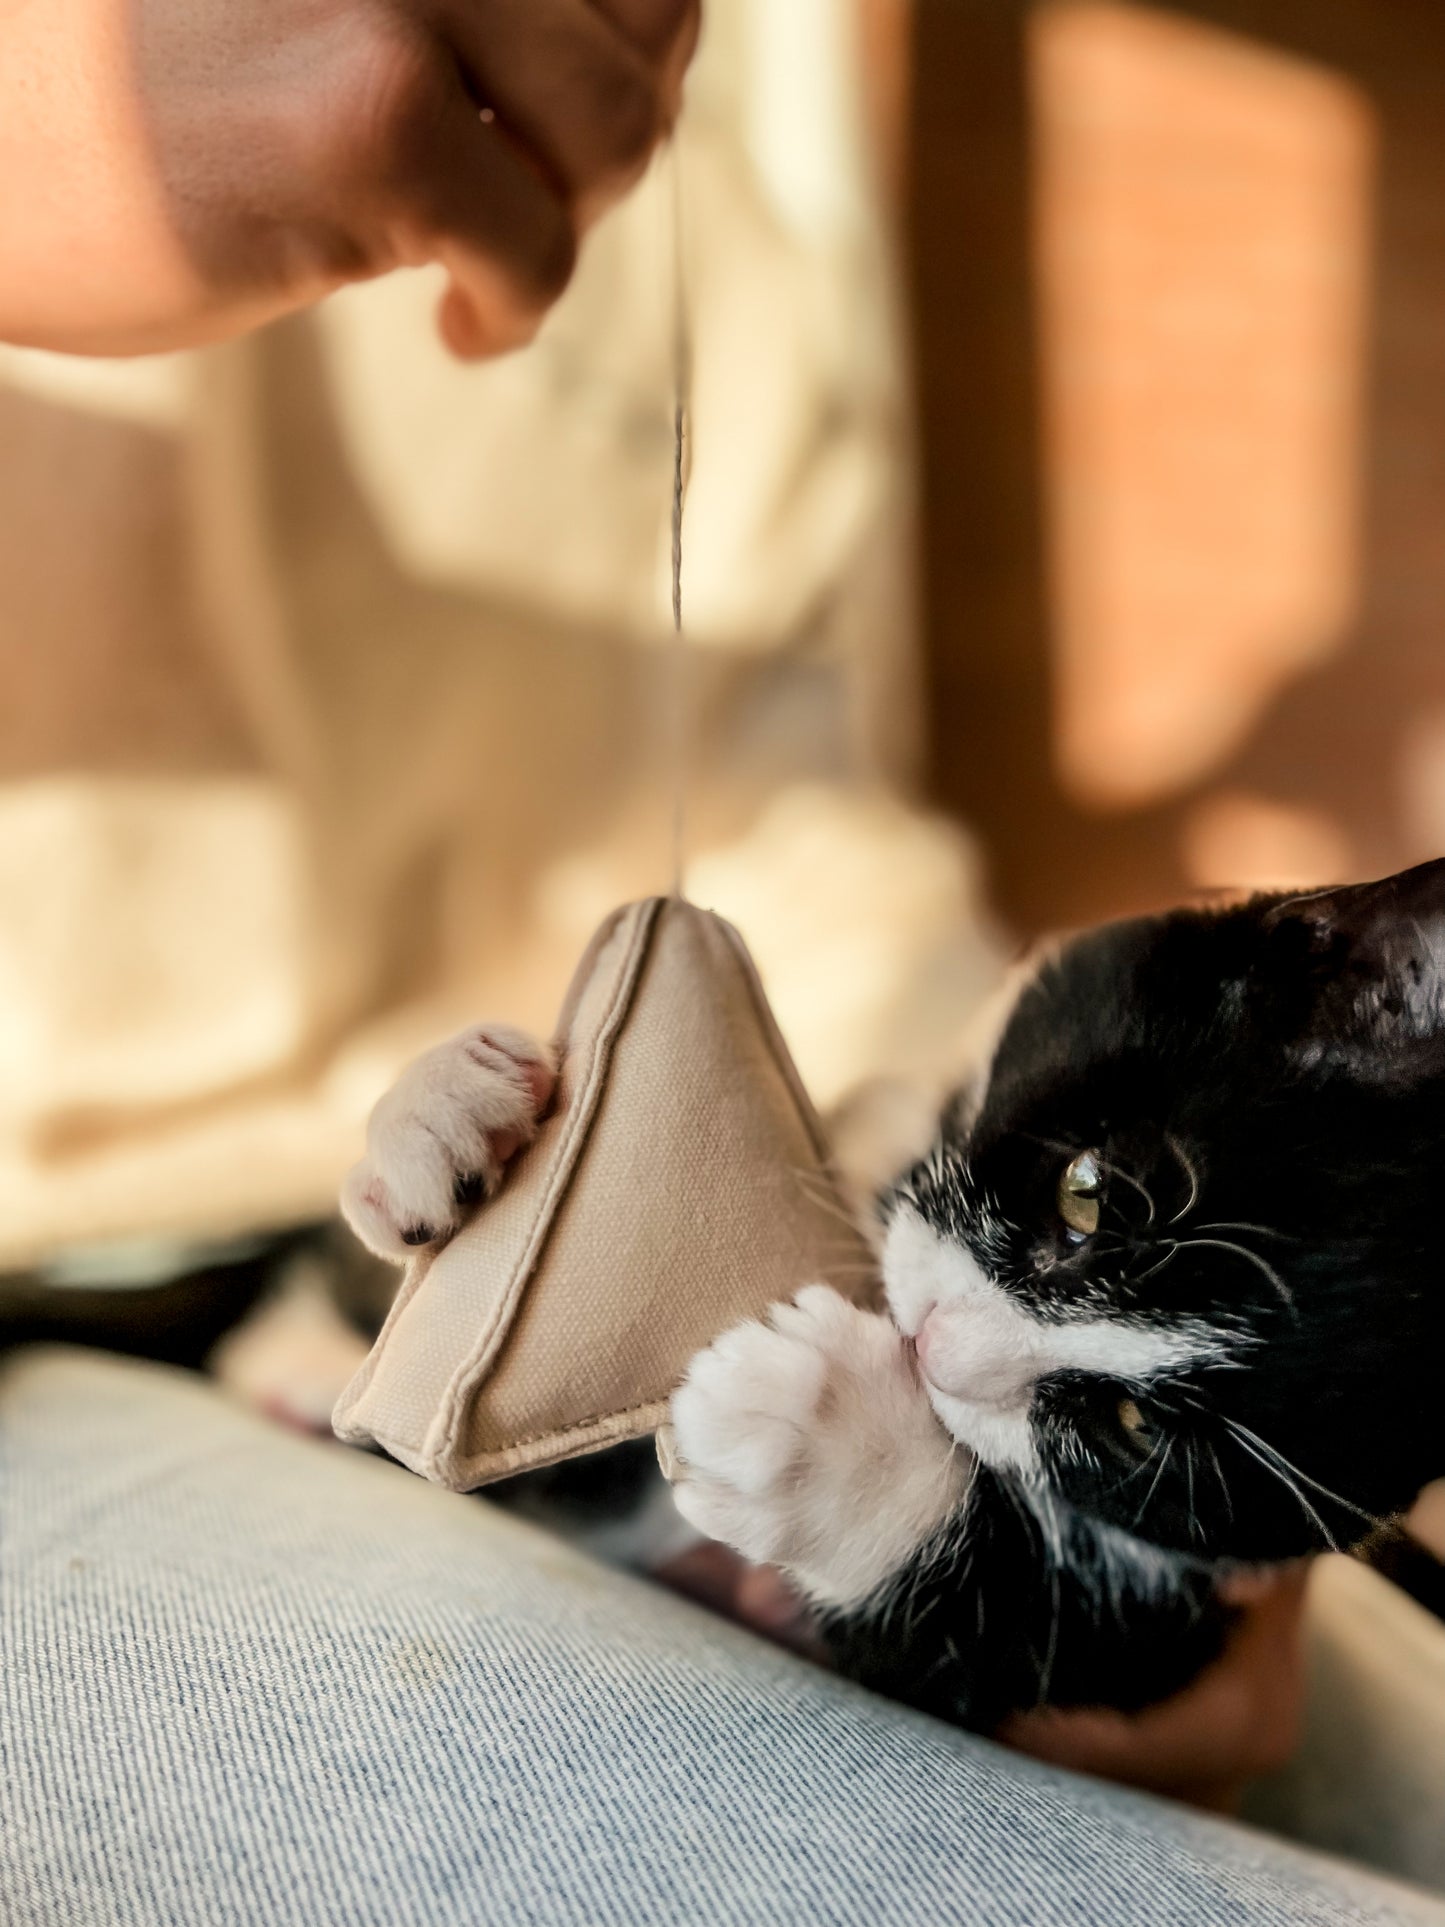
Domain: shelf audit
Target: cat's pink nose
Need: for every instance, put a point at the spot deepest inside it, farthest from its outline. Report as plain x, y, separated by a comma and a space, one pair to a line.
924, 1341
958, 1357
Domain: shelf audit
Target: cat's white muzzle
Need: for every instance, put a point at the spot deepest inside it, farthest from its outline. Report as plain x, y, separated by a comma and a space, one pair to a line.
982, 1350
964, 1354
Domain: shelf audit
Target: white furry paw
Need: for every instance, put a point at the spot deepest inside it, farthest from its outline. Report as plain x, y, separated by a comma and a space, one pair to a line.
809, 1443
441, 1137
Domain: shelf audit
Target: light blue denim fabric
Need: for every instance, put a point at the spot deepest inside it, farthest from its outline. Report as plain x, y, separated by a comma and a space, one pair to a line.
248, 1679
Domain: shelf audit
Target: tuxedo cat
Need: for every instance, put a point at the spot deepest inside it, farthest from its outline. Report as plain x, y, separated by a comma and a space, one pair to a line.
1164, 1299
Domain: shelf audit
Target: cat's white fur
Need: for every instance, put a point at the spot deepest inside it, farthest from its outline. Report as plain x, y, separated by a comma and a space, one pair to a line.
831, 1441
819, 1444
808, 1443
455, 1114
983, 1351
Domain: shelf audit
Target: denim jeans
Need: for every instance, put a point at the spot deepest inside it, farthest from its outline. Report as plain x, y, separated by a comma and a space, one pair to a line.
246, 1678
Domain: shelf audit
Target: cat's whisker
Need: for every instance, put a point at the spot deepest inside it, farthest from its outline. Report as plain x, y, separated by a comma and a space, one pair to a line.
1225, 1492
1286, 1481
1189, 1476
1175, 1247
1026, 1515
1118, 1171
842, 1258
1336, 1498
818, 1193
1234, 1224
1251, 1257
1128, 1178
846, 1264
1154, 1483
1178, 1151
1104, 1242
1046, 1672
1105, 1164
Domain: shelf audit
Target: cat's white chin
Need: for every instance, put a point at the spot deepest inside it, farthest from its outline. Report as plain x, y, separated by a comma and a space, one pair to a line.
982, 1349
999, 1436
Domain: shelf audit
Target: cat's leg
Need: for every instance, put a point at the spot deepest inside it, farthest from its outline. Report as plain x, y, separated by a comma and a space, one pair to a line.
441, 1136
809, 1443
294, 1352
1021, 1605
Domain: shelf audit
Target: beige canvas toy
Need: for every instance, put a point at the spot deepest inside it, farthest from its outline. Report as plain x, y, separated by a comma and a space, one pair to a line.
680, 1183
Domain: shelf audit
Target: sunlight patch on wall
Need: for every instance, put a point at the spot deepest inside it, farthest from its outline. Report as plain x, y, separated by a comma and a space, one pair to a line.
1202, 234
153, 391
1421, 778
160, 959
1236, 841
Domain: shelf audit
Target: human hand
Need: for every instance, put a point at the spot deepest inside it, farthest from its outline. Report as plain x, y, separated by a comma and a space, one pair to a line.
177, 171
1240, 1718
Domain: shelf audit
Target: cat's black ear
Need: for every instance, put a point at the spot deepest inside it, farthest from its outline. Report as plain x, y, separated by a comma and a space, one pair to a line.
1367, 966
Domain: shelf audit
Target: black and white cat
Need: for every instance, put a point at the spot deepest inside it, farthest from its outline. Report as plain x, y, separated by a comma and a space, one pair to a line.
1165, 1296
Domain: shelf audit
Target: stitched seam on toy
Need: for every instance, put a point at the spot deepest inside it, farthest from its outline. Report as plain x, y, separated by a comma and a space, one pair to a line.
475, 1365
568, 1153
390, 1442
577, 1425
416, 1274
357, 1387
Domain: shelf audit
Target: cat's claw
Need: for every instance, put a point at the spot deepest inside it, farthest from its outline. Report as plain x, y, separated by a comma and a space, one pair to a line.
809, 1443
441, 1136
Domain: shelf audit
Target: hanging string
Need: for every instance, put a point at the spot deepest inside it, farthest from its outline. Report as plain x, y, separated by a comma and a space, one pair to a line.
680, 721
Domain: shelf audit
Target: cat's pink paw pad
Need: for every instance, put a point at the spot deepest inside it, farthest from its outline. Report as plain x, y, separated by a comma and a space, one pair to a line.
441, 1137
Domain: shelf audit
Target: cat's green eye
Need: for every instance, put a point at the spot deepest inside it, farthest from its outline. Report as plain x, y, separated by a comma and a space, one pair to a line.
1132, 1420
1078, 1200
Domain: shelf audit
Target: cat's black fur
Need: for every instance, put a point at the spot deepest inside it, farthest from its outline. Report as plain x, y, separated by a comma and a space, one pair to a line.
1278, 1066
1270, 1075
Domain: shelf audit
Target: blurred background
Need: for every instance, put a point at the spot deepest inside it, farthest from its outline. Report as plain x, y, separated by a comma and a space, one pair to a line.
1063, 537
1176, 281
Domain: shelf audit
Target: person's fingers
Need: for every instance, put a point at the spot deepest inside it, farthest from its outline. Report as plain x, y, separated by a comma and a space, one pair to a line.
756, 1596
556, 109
565, 84
1230, 1726
666, 31
455, 190
1282, 1587
655, 26
1240, 1717
1164, 1755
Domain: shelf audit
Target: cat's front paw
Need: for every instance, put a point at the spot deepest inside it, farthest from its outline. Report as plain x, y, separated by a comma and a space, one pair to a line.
442, 1135
809, 1443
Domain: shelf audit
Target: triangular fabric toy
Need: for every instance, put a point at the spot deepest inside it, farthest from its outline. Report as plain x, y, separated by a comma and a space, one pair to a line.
680, 1184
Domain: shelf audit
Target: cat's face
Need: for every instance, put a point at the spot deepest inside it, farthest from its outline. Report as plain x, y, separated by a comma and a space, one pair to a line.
1180, 1262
